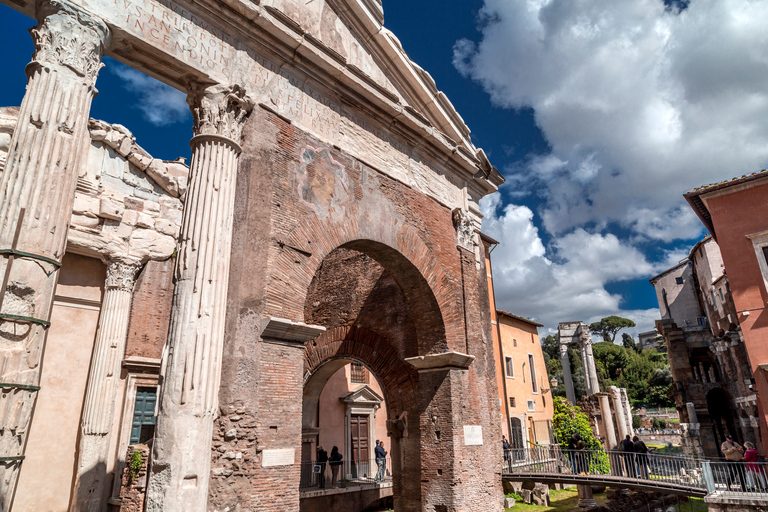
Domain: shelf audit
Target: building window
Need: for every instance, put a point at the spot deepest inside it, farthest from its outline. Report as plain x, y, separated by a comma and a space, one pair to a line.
760, 243
143, 423
533, 373
531, 405
512, 401
679, 280
510, 368
702, 320
514, 342
359, 373
722, 297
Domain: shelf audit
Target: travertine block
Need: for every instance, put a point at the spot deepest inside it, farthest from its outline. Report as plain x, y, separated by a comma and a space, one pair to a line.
86, 205
111, 209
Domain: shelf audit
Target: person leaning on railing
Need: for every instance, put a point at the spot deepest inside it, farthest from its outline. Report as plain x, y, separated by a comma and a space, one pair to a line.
734, 453
755, 472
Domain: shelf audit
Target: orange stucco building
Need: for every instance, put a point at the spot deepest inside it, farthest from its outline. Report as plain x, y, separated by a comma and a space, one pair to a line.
736, 214
525, 398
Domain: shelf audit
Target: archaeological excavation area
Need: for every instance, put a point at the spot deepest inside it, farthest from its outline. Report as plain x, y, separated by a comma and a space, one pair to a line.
173, 334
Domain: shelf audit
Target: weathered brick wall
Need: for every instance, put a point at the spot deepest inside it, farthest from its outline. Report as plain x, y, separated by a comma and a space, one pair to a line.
151, 310
399, 276
133, 490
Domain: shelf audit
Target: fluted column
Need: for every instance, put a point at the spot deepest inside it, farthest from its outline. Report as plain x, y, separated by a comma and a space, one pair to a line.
590, 370
91, 487
618, 407
40, 175
192, 364
570, 393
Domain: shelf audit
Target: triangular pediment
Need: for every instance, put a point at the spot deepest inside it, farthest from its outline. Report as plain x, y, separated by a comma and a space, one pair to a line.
362, 396
353, 32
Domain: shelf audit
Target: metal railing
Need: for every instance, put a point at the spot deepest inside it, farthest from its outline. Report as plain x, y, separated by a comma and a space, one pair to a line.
726, 478
317, 475
634, 467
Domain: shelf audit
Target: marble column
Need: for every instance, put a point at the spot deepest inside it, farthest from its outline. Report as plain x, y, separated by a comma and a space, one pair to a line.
192, 362
46, 150
585, 365
570, 394
605, 413
92, 485
618, 407
591, 374
627, 410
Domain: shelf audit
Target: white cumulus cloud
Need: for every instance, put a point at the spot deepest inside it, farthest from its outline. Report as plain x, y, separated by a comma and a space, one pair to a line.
159, 104
638, 102
566, 282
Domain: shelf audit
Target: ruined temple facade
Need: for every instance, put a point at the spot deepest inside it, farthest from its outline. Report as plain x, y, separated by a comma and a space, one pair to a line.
707, 354
329, 216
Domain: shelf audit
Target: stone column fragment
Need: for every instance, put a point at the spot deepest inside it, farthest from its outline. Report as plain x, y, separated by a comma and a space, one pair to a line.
618, 407
91, 486
46, 151
192, 363
570, 394
590, 370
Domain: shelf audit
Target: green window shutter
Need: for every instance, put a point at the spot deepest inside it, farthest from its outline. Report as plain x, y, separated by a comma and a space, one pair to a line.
143, 412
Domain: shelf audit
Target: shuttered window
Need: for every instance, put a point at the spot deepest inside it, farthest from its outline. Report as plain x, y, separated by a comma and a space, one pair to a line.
143, 424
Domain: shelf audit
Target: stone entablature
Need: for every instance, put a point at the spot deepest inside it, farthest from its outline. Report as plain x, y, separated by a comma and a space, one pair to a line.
418, 137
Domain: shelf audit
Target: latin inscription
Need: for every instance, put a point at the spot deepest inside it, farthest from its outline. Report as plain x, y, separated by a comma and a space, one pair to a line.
473, 435
281, 457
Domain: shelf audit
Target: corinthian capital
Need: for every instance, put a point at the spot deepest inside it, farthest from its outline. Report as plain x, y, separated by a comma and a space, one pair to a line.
219, 110
70, 37
121, 276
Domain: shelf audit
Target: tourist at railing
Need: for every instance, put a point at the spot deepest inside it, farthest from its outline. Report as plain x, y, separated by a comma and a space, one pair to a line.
755, 472
381, 460
322, 459
507, 455
734, 453
628, 454
335, 463
641, 457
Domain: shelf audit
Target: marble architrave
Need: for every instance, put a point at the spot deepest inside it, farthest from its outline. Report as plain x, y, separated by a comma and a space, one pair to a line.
46, 152
192, 367
430, 151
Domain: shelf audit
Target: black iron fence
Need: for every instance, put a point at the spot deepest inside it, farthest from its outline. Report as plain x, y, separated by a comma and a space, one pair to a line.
325, 475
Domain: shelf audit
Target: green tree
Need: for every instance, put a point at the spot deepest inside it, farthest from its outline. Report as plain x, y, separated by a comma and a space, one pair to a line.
629, 342
568, 420
609, 326
612, 359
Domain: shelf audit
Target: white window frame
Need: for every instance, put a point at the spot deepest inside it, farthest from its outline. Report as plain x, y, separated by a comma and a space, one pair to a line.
759, 241
509, 365
531, 405
532, 369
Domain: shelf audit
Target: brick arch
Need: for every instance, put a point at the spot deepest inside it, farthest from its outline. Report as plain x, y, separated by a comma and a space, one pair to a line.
399, 380
435, 299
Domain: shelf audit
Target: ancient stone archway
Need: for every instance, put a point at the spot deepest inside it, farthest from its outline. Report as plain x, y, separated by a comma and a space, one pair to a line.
399, 380
313, 131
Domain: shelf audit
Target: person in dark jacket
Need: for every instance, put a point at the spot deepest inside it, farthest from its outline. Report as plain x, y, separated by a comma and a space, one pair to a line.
507, 451
628, 447
381, 460
322, 460
335, 463
641, 457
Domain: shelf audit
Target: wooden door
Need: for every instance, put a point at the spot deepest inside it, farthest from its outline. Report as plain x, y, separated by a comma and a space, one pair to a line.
360, 451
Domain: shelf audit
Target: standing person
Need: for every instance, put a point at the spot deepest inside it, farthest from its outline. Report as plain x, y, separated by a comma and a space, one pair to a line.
628, 447
641, 457
572, 443
734, 453
507, 452
335, 463
581, 459
381, 460
755, 473
322, 459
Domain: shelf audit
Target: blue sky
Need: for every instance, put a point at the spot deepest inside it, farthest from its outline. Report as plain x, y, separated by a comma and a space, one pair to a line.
599, 114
